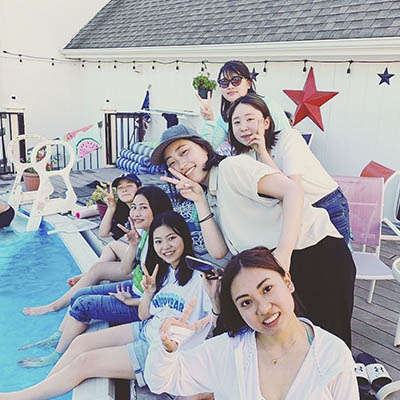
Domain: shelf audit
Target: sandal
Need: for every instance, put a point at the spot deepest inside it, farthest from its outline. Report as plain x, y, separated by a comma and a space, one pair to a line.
377, 374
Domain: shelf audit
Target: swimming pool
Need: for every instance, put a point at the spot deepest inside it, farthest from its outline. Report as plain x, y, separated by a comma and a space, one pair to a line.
34, 267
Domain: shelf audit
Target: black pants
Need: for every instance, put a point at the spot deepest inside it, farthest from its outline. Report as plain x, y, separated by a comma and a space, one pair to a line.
324, 276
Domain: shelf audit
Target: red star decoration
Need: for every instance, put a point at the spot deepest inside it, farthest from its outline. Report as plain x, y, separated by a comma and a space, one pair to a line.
309, 100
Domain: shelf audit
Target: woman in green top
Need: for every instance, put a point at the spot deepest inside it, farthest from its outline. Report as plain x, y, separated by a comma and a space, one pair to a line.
105, 302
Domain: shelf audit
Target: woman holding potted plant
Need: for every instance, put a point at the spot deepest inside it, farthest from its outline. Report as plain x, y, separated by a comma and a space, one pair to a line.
235, 80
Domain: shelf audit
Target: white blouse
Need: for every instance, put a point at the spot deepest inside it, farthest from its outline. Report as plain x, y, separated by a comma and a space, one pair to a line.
228, 367
247, 219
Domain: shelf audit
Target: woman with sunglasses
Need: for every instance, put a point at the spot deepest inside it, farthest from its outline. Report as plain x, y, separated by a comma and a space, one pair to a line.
242, 203
235, 80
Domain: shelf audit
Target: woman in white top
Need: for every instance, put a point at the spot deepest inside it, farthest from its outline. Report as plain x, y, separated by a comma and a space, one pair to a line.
242, 203
252, 131
121, 351
269, 353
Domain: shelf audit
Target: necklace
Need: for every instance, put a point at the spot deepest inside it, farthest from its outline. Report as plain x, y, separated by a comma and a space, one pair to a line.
275, 360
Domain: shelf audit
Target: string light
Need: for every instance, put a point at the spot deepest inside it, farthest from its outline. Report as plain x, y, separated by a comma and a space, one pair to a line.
203, 68
348, 68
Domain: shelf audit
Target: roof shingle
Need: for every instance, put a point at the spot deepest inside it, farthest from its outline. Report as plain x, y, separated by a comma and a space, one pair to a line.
142, 23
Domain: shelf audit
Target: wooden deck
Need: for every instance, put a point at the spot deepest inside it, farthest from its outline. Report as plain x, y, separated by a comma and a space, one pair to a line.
373, 325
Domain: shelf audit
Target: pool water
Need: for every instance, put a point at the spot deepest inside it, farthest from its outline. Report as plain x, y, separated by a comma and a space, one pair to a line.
34, 268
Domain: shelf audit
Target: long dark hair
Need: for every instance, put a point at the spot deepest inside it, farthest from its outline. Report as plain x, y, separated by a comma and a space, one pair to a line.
255, 101
157, 198
173, 220
259, 257
230, 68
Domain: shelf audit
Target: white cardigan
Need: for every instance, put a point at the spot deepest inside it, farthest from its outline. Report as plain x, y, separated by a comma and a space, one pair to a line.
228, 367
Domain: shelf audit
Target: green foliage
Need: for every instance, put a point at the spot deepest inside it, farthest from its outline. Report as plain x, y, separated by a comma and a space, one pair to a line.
98, 194
204, 81
39, 156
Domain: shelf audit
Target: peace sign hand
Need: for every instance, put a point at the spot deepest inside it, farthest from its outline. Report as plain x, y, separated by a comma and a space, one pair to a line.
109, 197
131, 235
174, 331
189, 189
257, 140
206, 109
149, 281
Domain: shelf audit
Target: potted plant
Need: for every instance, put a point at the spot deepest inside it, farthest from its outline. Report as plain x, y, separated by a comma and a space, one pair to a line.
203, 84
31, 177
97, 198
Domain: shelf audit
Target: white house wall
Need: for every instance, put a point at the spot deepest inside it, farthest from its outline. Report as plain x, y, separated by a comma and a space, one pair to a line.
361, 122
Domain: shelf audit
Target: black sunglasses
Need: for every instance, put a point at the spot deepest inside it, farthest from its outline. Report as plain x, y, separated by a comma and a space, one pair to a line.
235, 80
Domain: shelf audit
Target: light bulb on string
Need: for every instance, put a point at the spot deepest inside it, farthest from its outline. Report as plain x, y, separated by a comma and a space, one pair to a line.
115, 64
20, 58
133, 65
83, 64
153, 67
177, 65
98, 66
265, 66
349, 67
305, 66
52, 62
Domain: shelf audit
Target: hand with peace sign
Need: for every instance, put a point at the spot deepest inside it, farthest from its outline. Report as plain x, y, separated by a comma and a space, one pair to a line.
149, 281
174, 331
131, 235
189, 189
257, 139
109, 197
206, 109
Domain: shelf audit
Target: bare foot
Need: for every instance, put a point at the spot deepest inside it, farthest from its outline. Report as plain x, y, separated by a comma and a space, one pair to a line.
37, 362
51, 341
74, 280
40, 310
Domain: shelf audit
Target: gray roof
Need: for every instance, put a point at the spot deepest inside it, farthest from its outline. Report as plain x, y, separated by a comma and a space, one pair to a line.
142, 23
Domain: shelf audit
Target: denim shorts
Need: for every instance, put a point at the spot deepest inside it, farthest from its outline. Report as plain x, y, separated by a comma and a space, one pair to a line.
338, 209
138, 350
94, 302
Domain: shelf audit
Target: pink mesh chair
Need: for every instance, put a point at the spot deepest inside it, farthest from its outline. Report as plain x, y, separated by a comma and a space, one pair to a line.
374, 169
365, 197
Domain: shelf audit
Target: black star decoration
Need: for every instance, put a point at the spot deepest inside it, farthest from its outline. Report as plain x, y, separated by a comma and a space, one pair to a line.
254, 74
385, 77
